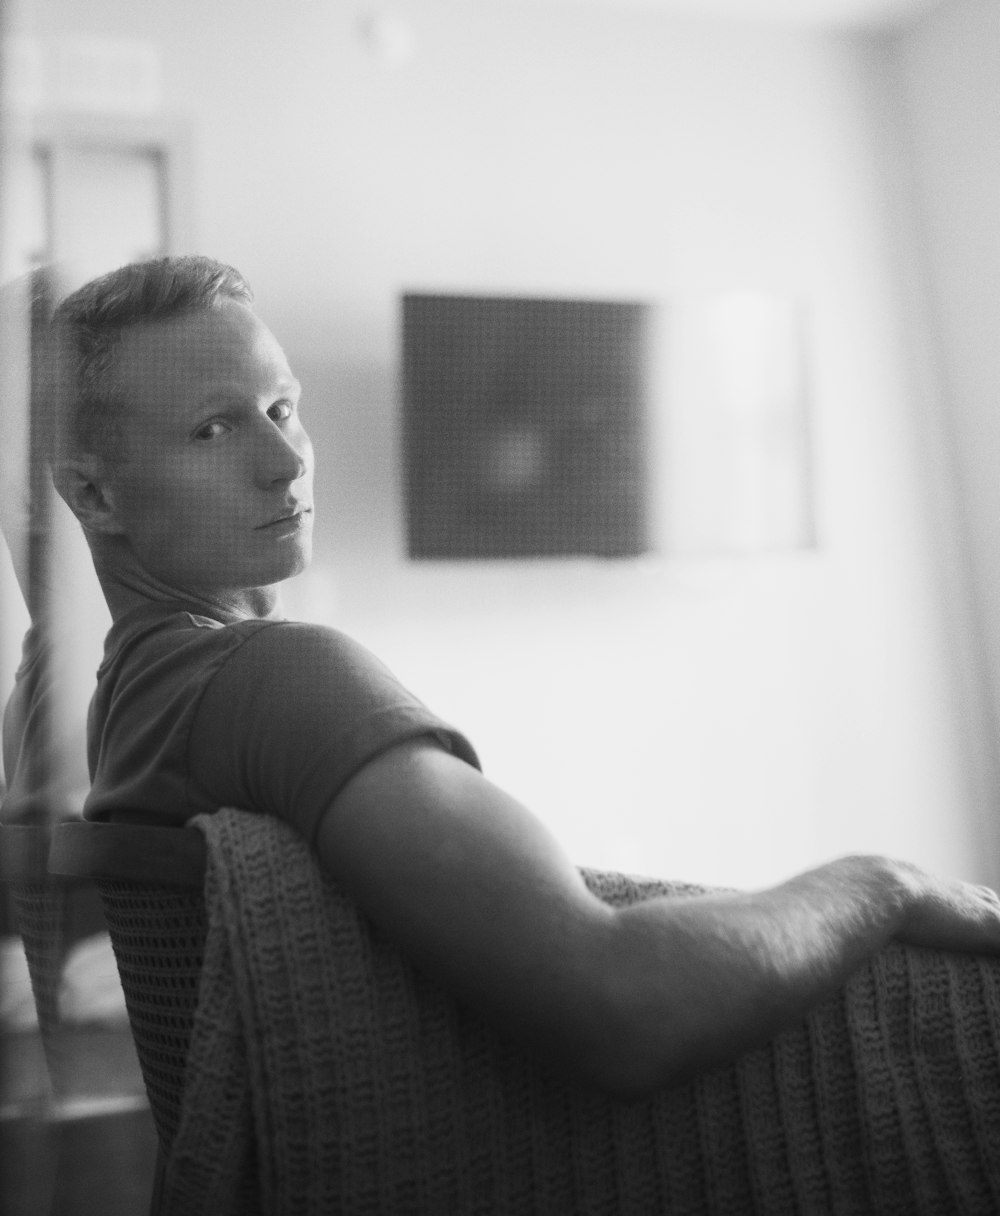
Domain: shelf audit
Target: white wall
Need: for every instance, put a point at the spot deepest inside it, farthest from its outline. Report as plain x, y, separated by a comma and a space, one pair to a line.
724, 721
946, 69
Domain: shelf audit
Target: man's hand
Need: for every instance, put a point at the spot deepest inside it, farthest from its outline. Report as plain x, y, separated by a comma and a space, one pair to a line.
948, 915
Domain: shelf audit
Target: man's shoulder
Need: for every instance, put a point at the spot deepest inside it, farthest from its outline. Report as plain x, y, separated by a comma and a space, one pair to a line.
184, 651
296, 646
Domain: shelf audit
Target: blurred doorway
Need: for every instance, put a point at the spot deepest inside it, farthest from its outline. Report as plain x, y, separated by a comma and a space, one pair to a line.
81, 194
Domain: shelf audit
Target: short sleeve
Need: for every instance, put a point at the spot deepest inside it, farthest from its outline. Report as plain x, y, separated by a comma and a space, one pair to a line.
294, 712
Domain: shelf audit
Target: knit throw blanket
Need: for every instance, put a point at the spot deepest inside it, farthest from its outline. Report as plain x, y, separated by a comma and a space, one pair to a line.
327, 1076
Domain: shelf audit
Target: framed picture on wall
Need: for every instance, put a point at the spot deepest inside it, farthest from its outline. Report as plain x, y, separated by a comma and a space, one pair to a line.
524, 423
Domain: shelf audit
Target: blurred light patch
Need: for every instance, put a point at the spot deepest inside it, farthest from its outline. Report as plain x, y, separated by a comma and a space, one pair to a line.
735, 468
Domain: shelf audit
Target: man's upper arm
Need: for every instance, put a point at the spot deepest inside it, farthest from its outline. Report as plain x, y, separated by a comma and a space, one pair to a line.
476, 892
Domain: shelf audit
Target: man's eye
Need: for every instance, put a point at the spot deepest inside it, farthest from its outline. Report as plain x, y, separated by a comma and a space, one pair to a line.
280, 411
210, 430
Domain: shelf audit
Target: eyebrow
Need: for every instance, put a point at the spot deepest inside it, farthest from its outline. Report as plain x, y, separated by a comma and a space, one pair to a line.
223, 395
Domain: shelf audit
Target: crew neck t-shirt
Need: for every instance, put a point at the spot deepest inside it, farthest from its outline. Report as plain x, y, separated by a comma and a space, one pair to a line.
193, 713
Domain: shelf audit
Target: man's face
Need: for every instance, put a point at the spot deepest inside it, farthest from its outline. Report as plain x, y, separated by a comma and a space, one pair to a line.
215, 453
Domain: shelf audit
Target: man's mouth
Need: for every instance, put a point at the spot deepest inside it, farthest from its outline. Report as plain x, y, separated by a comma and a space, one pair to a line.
297, 514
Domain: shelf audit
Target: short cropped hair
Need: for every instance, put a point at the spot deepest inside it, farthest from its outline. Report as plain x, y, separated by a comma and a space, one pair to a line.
88, 325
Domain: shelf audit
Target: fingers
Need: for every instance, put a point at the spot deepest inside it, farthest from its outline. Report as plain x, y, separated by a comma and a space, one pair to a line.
949, 915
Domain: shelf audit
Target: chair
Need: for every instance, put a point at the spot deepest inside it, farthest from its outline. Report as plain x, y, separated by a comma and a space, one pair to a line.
72, 1084
39, 906
374, 1092
150, 882
44, 906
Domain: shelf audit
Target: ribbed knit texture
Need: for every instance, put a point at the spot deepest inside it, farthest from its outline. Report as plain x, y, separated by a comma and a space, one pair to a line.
366, 1089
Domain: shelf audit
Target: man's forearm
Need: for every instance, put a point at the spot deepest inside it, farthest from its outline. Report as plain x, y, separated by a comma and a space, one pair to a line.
701, 979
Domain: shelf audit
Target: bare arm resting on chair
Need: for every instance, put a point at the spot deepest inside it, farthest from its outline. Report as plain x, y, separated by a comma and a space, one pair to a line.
477, 891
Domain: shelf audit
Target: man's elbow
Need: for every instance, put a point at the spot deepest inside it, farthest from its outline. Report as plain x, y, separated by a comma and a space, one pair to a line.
627, 1072
627, 1052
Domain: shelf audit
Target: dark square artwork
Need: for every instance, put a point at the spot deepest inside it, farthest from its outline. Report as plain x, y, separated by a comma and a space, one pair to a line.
524, 427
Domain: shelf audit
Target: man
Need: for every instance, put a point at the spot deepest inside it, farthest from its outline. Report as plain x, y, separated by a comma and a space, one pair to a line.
186, 461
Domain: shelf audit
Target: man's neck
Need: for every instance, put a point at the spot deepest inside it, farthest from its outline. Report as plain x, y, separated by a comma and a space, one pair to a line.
127, 585
255, 603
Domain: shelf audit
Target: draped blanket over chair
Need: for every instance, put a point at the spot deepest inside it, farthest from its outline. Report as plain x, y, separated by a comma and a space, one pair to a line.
326, 1075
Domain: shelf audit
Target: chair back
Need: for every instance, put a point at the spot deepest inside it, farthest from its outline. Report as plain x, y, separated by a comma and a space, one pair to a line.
39, 905
150, 880
379, 1093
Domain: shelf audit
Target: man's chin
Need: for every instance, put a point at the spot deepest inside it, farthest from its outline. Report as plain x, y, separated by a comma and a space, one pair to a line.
295, 564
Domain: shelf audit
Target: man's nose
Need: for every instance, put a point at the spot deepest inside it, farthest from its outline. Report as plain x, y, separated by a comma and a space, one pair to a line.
281, 456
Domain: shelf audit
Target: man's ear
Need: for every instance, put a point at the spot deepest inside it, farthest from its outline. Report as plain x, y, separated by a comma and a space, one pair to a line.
82, 484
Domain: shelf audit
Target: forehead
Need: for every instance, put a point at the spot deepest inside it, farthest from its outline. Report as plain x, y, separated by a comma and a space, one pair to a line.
184, 360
